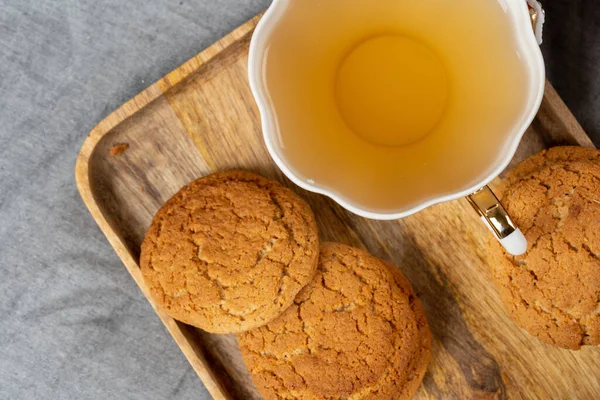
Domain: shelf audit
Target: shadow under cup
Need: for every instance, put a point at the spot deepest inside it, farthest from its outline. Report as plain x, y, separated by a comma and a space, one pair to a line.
390, 104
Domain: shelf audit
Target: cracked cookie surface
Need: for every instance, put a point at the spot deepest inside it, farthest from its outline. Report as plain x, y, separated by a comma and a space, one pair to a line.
553, 290
356, 331
229, 252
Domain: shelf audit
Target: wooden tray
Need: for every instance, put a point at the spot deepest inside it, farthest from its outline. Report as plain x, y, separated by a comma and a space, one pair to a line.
201, 118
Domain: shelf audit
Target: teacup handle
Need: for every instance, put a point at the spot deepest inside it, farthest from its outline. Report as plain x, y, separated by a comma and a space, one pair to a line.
536, 13
493, 214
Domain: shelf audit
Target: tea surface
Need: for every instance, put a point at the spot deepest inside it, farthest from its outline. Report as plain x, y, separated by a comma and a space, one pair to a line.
389, 102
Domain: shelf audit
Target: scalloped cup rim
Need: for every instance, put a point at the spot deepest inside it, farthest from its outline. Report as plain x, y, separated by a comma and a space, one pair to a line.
534, 61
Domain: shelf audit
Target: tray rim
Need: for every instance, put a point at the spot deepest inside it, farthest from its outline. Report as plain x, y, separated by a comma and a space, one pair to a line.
180, 332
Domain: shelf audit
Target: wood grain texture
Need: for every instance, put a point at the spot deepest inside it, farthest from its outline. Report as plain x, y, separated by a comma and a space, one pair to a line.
201, 118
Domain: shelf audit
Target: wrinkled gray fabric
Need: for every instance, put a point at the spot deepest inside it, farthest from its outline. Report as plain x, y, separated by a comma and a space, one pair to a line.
73, 324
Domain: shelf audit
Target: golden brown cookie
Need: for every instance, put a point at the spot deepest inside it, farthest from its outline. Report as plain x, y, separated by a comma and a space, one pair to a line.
229, 252
553, 290
357, 331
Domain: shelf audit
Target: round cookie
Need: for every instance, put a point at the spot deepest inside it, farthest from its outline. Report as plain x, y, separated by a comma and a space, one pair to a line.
229, 252
356, 331
553, 290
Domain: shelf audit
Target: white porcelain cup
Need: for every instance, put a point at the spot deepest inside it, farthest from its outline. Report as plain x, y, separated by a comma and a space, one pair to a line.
519, 15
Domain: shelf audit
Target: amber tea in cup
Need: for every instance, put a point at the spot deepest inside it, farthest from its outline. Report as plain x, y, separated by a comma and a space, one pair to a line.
366, 95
